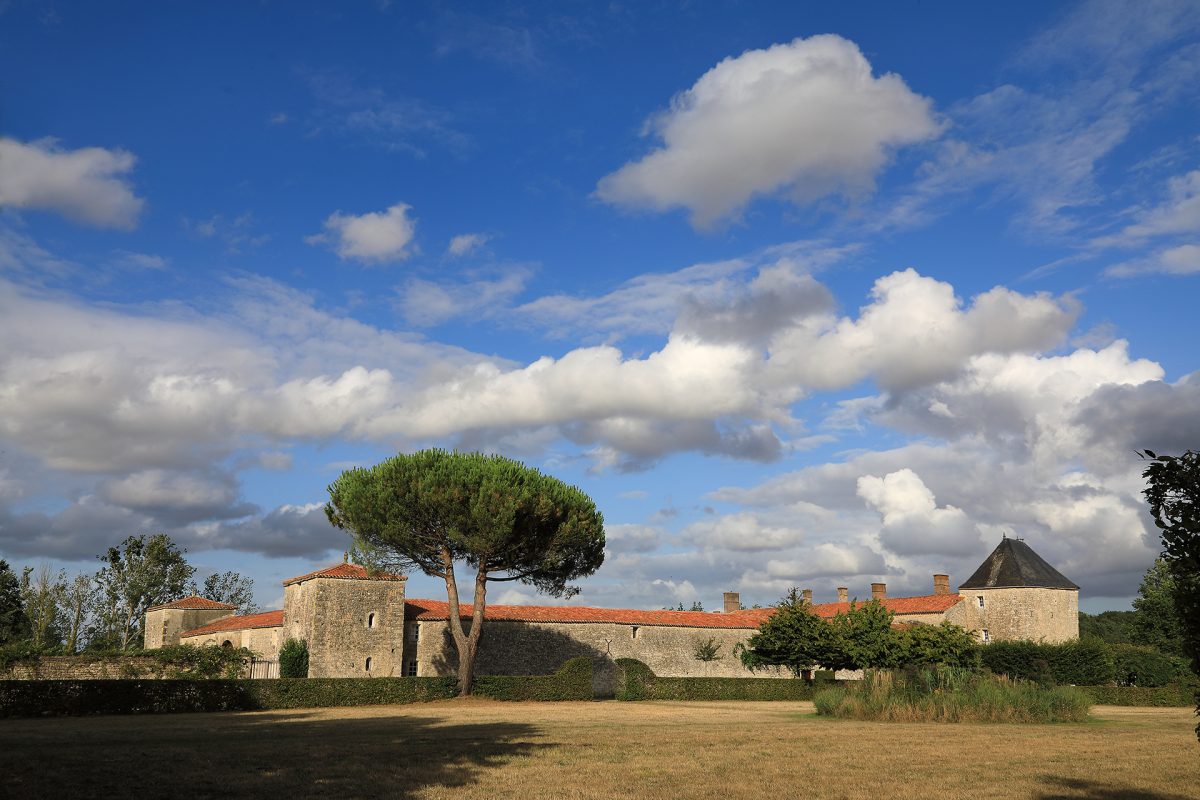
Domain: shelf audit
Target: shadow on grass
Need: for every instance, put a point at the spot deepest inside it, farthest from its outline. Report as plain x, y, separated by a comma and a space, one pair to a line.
1080, 789
251, 755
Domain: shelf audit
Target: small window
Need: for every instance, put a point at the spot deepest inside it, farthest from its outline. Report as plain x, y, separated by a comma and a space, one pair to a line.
414, 633
979, 600
370, 620
411, 669
987, 637
368, 664
634, 631
227, 644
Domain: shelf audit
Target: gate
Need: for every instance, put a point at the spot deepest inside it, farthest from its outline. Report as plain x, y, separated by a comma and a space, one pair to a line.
264, 668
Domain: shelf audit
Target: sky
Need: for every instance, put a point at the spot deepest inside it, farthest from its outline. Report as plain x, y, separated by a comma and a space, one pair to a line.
802, 294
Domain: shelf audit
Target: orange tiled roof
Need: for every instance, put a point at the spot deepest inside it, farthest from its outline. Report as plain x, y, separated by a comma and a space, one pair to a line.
346, 572
267, 619
195, 603
421, 609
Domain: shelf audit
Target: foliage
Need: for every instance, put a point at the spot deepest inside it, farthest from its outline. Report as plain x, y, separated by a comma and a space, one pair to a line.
707, 651
864, 638
1145, 666
1114, 627
793, 637
137, 574
507, 521
948, 694
1084, 662
14, 625
78, 601
205, 662
293, 659
637, 681
42, 592
946, 643
1157, 623
572, 681
1162, 696
229, 587
1173, 492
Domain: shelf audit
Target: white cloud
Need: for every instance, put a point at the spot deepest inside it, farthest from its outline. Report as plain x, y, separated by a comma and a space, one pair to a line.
744, 531
913, 524
1181, 260
374, 237
466, 243
427, 303
88, 185
806, 118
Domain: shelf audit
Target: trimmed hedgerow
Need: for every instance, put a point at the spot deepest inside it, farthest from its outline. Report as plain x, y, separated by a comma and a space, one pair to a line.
636, 681
1145, 666
572, 681
1086, 662
1171, 695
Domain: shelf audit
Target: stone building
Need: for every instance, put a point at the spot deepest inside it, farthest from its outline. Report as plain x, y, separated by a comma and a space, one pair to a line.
361, 625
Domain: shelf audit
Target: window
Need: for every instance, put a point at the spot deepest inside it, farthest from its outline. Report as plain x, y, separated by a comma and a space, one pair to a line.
414, 633
634, 631
411, 669
370, 620
987, 637
227, 644
368, 664
979, 600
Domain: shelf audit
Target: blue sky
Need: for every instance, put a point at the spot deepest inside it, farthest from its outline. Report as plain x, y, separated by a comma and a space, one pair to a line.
811, 295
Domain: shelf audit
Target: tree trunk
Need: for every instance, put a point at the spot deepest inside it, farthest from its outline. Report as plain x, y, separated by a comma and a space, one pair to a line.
466, 642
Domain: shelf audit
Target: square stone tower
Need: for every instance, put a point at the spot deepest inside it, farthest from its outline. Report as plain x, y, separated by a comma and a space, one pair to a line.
353, 621
1016, 594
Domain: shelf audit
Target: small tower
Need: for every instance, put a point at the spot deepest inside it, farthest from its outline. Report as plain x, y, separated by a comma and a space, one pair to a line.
1016, 594
166, 621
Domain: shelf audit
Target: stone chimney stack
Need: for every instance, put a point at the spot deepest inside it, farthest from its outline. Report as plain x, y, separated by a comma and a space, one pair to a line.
879, 591
807, 596
843, 594
733, 602
941, 584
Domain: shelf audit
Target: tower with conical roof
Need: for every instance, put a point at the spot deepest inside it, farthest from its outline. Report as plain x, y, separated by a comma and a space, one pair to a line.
1017, 594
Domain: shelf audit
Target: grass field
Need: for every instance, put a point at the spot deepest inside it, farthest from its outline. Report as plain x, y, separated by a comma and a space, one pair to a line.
487, 749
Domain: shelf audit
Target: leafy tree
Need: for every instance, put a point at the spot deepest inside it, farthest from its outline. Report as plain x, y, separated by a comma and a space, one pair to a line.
14, 625
42, 593
1157, 623
79, 598
293, 659
946, 643
508, 522
1173, 492
229, 587
137, 574
793, 637
863, 638
1114, 627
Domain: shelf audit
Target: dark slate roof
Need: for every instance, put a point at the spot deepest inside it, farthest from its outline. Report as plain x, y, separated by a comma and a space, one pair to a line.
1013, 564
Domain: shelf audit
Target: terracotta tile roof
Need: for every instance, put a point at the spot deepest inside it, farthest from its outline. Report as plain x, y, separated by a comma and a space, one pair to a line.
346, 572
267, 619
195, 603
421, 609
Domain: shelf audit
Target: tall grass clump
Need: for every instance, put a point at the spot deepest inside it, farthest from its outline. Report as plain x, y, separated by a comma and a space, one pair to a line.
947, 694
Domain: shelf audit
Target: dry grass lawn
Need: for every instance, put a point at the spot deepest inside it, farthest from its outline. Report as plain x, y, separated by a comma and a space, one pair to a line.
483, 749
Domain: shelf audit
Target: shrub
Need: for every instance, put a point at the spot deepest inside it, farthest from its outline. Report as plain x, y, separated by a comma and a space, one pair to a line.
293, 659
1086, 662
952, 695
1171, 695
1144, 666
572, 681
206, 662
707, 650
637, 681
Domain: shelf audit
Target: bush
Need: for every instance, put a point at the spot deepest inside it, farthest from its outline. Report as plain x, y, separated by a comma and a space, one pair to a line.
637, 681
573, 681
206, 662
1171, 695
952, 695
1086, 662
293, 659
1144, 666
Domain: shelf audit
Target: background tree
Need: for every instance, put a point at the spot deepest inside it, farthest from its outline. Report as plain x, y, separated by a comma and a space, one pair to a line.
79, 597
42, 593
863, 638
137, 574
14, 626
508, 522
1157, 623
793, 637
1173, 492
1114, 627
229, 587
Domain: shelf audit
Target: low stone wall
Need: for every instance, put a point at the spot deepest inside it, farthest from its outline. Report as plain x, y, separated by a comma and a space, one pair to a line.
83, 668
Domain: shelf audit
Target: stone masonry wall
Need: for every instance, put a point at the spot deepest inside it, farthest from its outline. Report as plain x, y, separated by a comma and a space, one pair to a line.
1040, 615
350, 621
263, 642
164, 625
82, 668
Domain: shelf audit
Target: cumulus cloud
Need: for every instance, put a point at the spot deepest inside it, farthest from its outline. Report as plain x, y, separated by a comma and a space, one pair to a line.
88, 185
178, 496
286, 531
806, 119
466, 243
374, 237
744, 531
913, 524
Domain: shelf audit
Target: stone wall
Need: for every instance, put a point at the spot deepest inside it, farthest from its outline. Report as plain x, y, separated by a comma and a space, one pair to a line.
83, 668
164, 625
1040, 615
346, 622
263, 642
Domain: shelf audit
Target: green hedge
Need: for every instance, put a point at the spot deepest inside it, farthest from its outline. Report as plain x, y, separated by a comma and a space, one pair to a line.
636, 681
1084, 662
1172, 695
573, 681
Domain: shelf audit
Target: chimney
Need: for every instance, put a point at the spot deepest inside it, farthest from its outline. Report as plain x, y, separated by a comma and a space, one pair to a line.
733, 602
941, 584
879, 591
843, 594
808, 596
